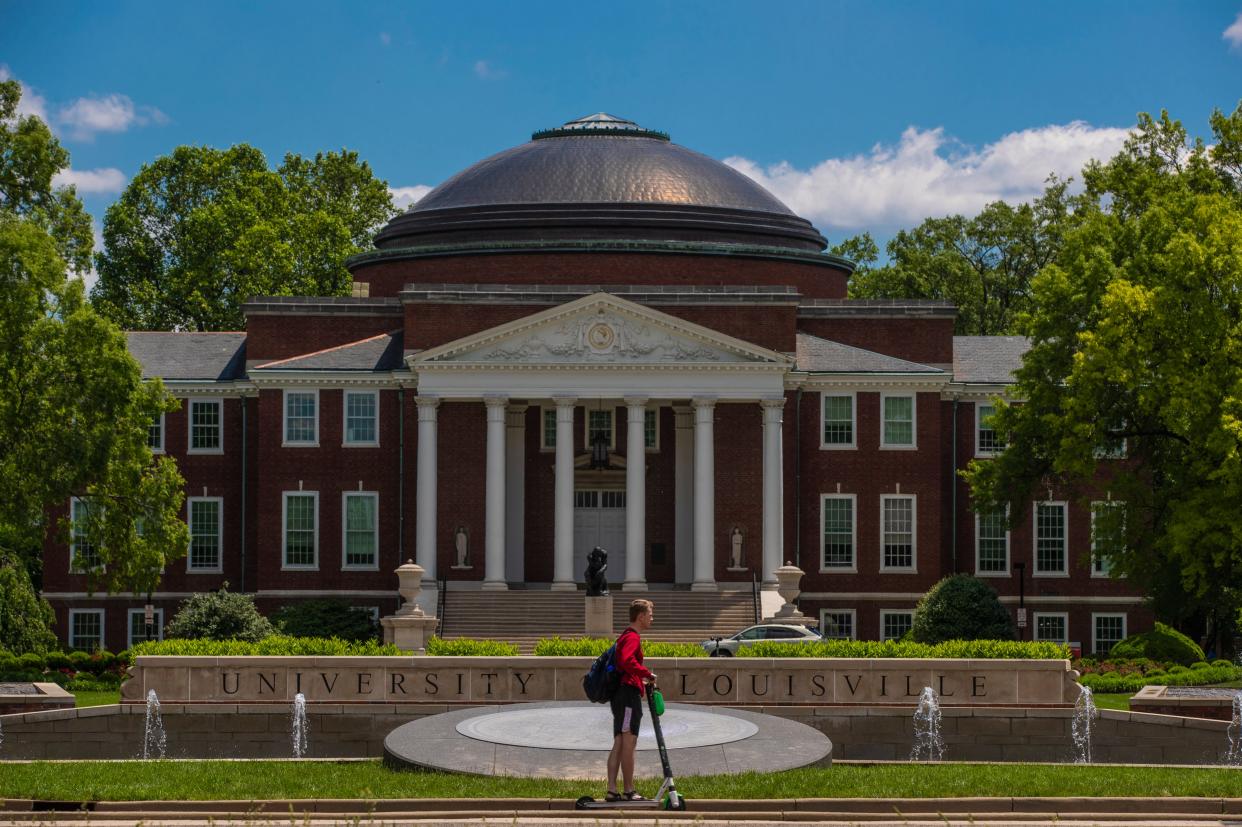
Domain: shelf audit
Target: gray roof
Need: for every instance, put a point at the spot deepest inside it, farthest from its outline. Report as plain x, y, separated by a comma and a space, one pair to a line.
188, 356
816, 355
988, 360
376, 353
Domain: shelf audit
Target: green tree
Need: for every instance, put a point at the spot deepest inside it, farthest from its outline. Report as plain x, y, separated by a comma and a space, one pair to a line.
198, 232
74, 411
984, 264
25, 618
1136, 339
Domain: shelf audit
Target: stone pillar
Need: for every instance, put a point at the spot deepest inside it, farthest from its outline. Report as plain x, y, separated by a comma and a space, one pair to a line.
515, 493
410, 627
635, 496
425, 487
683, 494
773, 490
563, 498
494, 529
704, 495
599, 616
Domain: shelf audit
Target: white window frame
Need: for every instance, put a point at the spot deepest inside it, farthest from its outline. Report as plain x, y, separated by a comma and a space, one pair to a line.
285, 442
979, 572
586, 427
374, 497
163, 436
914, 533
73, 545
1125, 627
853, 613
189, 429
158, 617
544, 412
654, 412
103, 637
914, 422
886, 613
345, 440
284, 530
979, 451
1036, 571
1035, 616
190, 568
852, 445
1106, 573
823, 512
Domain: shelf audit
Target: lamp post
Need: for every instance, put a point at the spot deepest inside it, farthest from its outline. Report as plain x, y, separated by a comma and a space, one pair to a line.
1020, 568
148, 615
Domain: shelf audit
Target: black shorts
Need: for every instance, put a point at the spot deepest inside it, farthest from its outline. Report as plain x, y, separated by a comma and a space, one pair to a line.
627, 710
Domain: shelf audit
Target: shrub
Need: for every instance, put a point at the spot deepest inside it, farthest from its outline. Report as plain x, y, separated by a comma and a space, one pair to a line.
961, 607
595, 646
1200, 664
25, 618
1161, 643
974, 649
1177, 669
270, 646
468, 647
1116, 682
219, 615
1222, 662
325, 618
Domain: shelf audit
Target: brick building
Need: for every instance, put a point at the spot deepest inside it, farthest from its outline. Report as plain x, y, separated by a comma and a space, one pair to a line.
598, 337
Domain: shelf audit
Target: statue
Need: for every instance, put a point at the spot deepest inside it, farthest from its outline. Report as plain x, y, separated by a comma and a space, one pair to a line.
735, 544
597, 564
461, 542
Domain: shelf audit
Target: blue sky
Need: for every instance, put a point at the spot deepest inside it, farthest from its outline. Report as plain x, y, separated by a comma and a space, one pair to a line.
859, 115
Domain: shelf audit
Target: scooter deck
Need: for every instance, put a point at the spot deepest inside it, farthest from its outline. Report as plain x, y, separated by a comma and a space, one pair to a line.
589, 803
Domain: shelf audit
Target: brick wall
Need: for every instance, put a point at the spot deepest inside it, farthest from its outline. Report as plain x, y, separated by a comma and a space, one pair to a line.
923, 340
272, 336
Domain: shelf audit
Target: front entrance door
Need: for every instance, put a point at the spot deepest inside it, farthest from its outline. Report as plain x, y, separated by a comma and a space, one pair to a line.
599, 520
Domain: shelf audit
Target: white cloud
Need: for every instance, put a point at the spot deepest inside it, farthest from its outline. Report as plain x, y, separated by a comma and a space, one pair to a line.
91, 181
484, 70
112, 113
1234, 33
406, 197
30, 103
929, 174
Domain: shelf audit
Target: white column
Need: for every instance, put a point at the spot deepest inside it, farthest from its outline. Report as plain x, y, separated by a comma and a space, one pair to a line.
773, 489
515, 493
683, 494
563, 497
494, 528
704, 495
635, 495
425, 488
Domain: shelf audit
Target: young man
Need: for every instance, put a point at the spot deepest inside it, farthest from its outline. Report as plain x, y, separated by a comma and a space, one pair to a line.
627, 704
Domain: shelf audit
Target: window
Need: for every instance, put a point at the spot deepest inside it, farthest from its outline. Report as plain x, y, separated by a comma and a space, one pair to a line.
1107, 630
1050, 534
838, 624
1112, 447
991, 544
895, 624
837, 529
361, 527
651, 429
1052, 626
138, 626
206, 434
83, 556
206, 519
838, 420
361, 418
547, 434
897, 532
155, 435
987, 442
301, 418
898, 421
86, 629
1108, 530
600, 422
301, 530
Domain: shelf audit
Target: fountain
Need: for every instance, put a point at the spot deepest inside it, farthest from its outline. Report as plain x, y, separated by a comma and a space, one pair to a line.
1085, 716
154, 741
928, 745
298, 727
1233, 755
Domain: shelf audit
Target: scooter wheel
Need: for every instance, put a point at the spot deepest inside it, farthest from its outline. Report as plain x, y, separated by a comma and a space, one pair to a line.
581, 803
674, 801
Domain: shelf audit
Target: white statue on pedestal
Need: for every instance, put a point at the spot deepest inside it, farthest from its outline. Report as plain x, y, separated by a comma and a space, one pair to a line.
461, 543
735, 544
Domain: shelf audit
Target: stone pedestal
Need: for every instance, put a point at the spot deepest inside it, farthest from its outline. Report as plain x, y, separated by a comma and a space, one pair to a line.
788, 580
410, 627
599, 616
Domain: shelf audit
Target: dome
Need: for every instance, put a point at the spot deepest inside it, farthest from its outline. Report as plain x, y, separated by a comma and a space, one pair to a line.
600, 177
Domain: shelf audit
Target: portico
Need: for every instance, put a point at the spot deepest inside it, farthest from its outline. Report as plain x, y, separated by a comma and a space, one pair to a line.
602, 352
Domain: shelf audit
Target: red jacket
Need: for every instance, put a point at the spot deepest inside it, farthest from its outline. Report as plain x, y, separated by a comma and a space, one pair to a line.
629, 660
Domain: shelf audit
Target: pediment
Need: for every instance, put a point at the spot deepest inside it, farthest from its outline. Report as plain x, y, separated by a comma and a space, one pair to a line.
600, 329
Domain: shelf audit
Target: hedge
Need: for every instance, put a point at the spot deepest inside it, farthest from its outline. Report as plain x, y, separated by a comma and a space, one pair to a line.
272, 645
469, 647
595, 646
1161, 643
1176, 676
975, 649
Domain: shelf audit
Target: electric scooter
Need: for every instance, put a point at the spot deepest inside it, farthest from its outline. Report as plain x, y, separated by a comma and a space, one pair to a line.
667, 798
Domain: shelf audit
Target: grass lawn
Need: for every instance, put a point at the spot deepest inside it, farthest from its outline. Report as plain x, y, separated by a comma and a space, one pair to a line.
82, 698
253, 780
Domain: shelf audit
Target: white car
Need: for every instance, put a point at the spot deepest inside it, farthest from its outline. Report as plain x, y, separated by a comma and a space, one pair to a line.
726, 647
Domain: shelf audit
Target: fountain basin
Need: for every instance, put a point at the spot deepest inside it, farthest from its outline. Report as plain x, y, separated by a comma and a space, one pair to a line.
1192, 701
32, 697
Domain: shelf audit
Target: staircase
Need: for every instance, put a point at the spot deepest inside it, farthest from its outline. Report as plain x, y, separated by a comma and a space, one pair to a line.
523, 617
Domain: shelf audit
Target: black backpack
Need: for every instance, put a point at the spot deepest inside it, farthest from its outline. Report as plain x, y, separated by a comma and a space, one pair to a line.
602, 679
